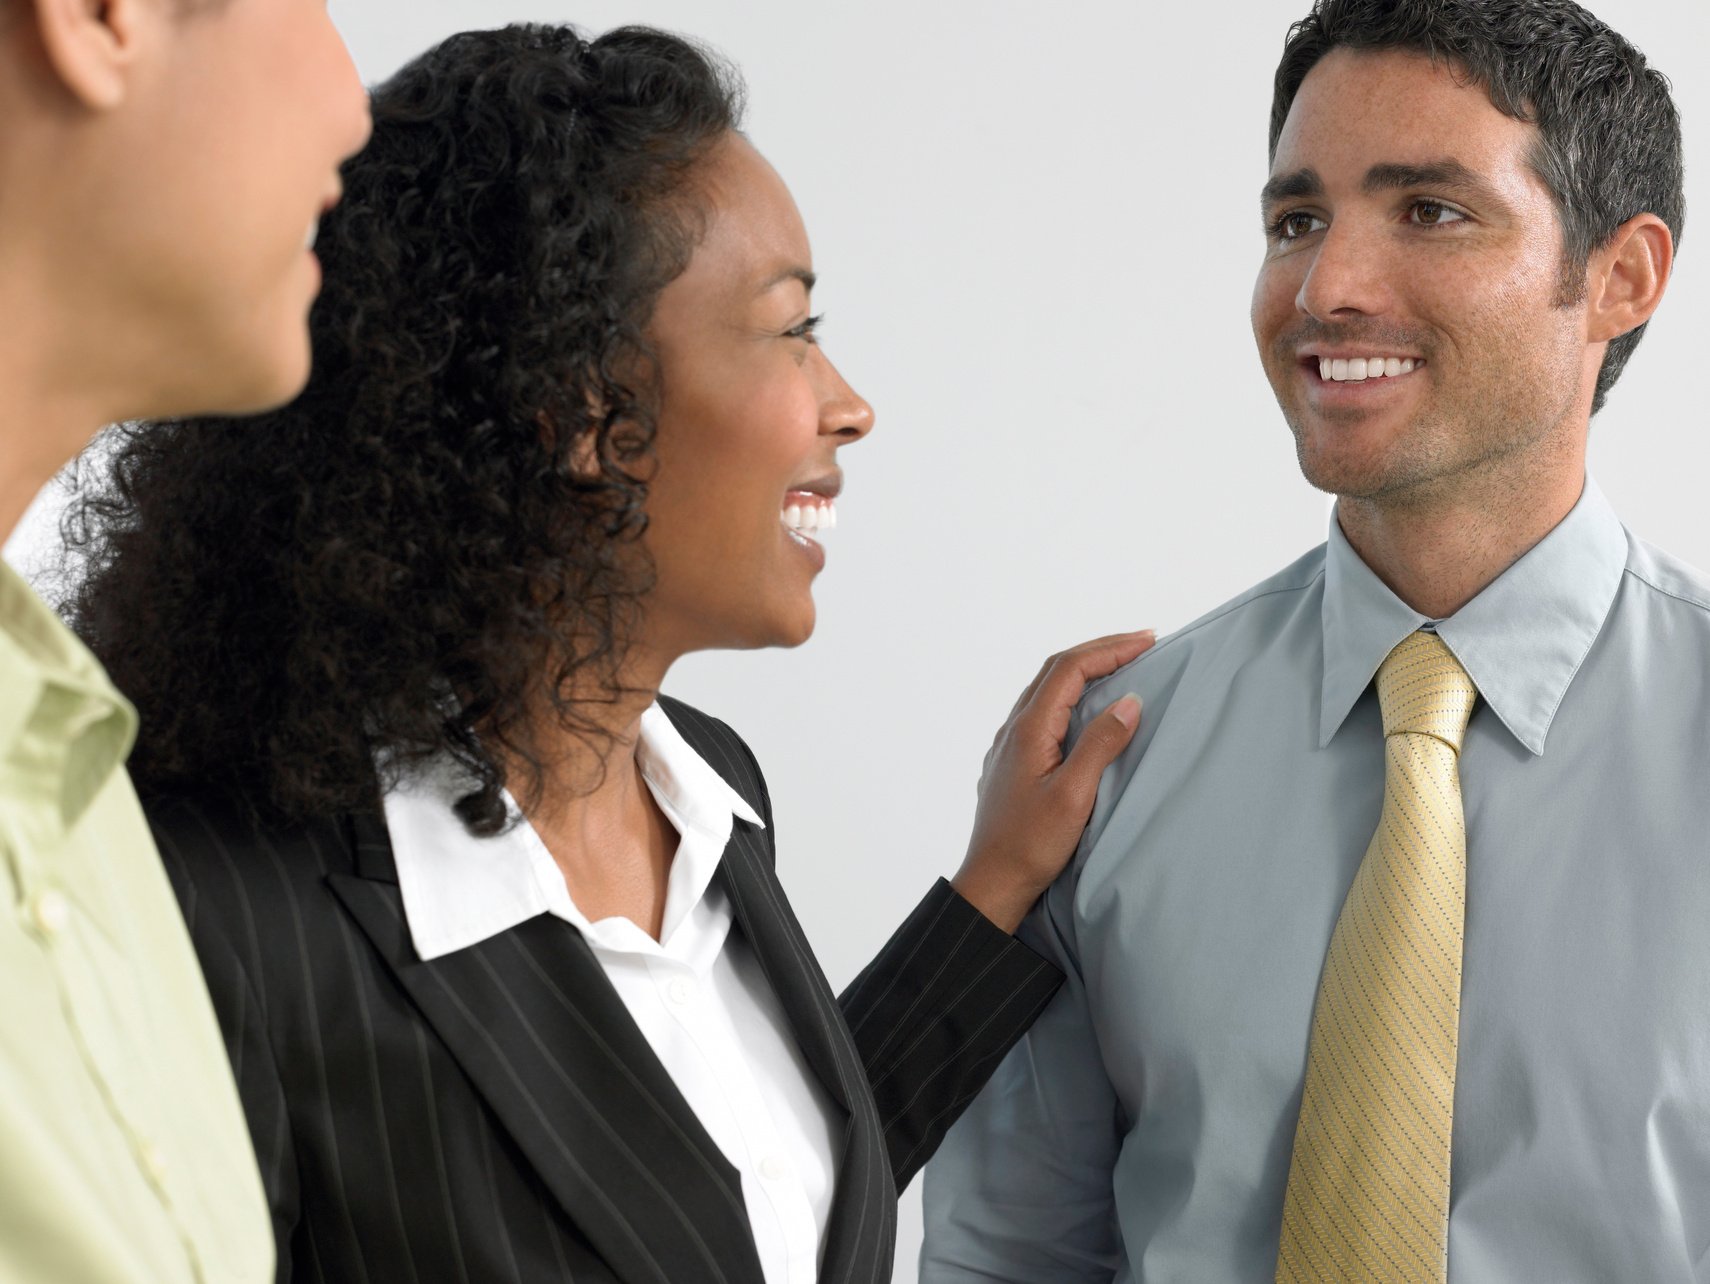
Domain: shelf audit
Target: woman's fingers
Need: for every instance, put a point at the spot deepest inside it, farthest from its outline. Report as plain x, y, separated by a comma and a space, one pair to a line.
1100, 742
1034, 803
1093, 660
1053, 695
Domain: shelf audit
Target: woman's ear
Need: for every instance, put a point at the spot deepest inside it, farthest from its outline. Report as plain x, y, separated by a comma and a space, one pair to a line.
583, 454
1627, 278
92, 45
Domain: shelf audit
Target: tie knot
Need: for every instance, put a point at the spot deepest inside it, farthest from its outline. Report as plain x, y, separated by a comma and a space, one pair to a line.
1422, 688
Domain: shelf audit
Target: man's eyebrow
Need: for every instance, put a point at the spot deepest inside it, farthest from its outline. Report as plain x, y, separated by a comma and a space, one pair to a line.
1291, 187
807, 278
1448, 175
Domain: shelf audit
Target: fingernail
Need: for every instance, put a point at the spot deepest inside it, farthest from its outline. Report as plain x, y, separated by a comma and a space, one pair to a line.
1147, 633
1127, 710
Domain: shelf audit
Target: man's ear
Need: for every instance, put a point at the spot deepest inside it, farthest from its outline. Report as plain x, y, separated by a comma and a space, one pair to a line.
91, 45
1627, 277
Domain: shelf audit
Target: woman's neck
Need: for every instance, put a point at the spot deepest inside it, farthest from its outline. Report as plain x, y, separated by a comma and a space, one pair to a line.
595, 812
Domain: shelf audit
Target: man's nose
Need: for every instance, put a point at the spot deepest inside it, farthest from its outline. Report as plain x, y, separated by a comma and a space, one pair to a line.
1350, 274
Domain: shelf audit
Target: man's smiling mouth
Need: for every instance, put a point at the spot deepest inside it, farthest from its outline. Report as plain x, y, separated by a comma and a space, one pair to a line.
1360, 369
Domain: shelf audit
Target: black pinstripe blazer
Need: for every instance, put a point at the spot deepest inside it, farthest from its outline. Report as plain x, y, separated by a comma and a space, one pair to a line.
495, 1114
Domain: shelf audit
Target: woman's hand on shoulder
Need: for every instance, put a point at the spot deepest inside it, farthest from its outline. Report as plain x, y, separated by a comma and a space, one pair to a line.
1034, 801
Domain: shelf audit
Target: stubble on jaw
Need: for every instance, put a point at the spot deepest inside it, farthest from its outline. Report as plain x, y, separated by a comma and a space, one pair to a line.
1457, 495
1493, 444
1424, 471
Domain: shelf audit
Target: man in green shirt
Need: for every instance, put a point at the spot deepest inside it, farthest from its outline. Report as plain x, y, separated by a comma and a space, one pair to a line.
163, 164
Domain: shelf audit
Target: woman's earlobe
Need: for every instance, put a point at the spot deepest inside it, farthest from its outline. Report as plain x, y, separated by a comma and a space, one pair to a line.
1629, 277
582, 455
90, 46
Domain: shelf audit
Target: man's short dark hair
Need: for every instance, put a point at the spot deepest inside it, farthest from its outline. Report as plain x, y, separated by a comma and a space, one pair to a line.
1609, 145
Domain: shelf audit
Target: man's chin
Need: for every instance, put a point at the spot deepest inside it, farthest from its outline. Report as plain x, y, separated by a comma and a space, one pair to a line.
1336, 473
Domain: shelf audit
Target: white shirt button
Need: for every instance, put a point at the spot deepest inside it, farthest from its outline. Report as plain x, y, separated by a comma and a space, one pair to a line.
680, 990
154, 1163
52, 912
774, 1168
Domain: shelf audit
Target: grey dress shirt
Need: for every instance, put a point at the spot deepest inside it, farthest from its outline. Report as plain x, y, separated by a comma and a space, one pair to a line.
1143, 1129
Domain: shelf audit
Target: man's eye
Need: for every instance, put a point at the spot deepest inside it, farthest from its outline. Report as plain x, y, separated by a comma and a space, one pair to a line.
1431, 214
1296, 224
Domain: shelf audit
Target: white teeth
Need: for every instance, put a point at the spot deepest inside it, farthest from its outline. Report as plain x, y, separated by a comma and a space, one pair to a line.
802, 518
314, 231
1359, 369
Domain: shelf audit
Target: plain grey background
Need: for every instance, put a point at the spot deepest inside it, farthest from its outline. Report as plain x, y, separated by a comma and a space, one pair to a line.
1036, 232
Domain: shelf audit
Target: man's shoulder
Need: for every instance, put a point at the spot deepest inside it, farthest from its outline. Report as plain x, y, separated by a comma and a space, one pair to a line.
1232, 630
1676, 584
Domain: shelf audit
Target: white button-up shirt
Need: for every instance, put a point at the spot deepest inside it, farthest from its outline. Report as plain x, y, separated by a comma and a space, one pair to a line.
698, 993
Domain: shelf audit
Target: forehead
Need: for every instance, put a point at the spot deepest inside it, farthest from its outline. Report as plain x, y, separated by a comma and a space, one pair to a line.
1357, 108
753, 231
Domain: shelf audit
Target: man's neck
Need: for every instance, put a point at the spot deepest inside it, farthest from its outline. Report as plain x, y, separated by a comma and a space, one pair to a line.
37, 439
1437, 552
50, 411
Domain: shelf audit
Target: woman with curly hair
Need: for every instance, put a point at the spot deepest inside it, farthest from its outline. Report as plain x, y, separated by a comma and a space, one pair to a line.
506, 977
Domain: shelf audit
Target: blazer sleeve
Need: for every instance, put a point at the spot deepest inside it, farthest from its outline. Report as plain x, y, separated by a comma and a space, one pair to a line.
242, 1018
934, 1014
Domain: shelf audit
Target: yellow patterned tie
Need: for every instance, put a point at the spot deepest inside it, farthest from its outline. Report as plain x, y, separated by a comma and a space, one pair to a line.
1368, 1188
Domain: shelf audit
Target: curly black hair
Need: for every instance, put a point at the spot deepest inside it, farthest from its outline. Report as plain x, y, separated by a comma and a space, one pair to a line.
443, 529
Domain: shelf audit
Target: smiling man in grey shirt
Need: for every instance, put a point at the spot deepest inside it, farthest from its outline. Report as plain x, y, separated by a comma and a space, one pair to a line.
1462, 252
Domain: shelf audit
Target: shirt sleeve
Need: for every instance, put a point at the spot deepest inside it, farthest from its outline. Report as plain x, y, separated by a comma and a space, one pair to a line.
934, 1013
1020, 1190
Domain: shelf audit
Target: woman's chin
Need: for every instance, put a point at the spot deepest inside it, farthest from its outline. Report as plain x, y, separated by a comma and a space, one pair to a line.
790, 625
756, 632
794, 632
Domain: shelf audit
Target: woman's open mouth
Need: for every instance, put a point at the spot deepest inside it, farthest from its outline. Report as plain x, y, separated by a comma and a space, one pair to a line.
806, 513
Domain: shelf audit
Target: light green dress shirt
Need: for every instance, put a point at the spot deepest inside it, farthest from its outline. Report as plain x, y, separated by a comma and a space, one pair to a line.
123, 1150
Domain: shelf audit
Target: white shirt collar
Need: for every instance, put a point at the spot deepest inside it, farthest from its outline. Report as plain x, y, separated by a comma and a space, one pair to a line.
459, 890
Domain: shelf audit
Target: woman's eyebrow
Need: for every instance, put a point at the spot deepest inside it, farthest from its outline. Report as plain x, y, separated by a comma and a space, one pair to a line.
807, 278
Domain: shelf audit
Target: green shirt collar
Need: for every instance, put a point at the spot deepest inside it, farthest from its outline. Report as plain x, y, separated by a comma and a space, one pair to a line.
64, 728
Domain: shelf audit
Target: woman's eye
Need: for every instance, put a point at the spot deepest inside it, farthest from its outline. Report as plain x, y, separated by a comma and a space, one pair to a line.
806, 330
1431, 214
1296, 224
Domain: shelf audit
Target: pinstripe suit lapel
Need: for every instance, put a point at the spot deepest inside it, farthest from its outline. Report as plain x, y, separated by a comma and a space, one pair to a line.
861, 1234
546, 1041
771, 928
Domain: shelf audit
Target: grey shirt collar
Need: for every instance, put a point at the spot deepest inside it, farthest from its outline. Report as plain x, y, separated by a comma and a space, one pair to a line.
1521, 640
